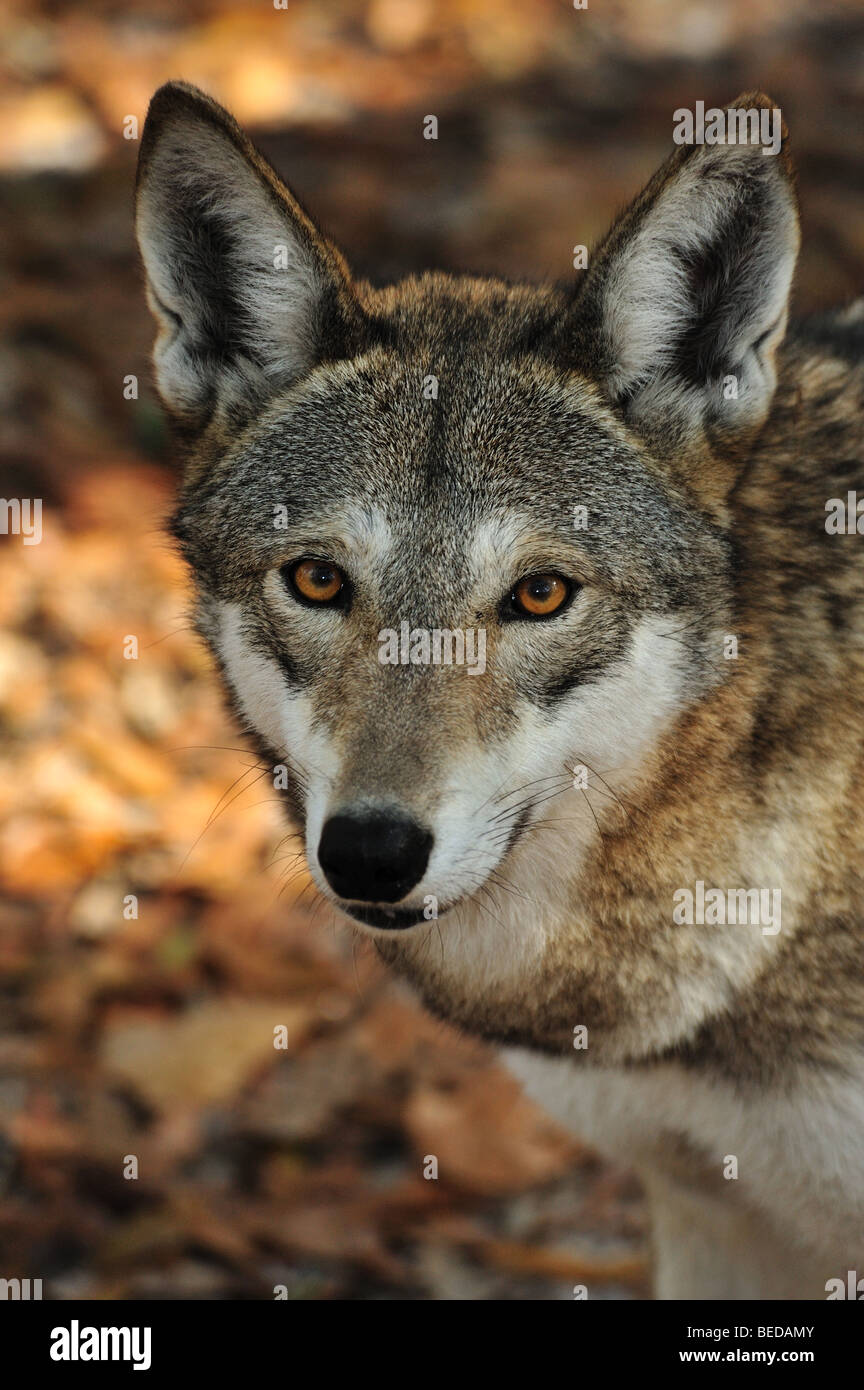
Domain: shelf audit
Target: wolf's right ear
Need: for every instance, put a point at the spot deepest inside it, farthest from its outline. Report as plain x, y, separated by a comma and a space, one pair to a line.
247, 293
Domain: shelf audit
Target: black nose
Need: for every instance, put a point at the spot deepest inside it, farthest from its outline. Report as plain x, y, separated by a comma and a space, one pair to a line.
373, 856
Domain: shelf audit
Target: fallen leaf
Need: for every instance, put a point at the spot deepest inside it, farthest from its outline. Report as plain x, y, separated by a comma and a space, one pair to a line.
205, 1056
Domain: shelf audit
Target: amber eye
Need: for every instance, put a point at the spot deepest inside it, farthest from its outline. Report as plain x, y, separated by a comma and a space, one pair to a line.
539, 595
315, 581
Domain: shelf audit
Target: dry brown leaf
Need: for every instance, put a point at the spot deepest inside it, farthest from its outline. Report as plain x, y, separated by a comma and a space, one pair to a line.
486, 1135
558, 1264
205, 1056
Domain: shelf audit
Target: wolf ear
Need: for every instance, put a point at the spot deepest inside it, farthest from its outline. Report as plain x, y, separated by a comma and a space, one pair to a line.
247, 294
686, 301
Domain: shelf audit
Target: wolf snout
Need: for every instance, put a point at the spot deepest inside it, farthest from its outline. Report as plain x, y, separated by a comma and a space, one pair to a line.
373, 856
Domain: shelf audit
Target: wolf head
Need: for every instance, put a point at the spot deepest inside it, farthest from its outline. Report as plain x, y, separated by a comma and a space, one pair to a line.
382, 485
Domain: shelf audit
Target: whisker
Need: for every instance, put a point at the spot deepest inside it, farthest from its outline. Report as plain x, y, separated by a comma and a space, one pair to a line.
241, 778
533, 783
214, 817
184, 627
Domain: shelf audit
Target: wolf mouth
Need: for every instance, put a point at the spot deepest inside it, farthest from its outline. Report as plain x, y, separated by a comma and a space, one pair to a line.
388, 918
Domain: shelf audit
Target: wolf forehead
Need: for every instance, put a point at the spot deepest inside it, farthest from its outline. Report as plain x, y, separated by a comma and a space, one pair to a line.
439, 431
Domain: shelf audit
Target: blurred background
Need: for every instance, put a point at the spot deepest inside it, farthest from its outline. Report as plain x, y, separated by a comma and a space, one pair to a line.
151, 1037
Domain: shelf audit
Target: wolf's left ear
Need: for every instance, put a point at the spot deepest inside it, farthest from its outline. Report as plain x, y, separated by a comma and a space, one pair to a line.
247, 293
685, 303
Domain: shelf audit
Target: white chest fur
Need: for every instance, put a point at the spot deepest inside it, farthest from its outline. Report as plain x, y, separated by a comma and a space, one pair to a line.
799, 1152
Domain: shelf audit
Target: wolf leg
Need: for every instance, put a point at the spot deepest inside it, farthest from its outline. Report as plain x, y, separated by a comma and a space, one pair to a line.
708, 1248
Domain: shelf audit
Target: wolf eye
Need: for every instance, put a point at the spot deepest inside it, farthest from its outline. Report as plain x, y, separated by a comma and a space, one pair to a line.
314, 581
539, 596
